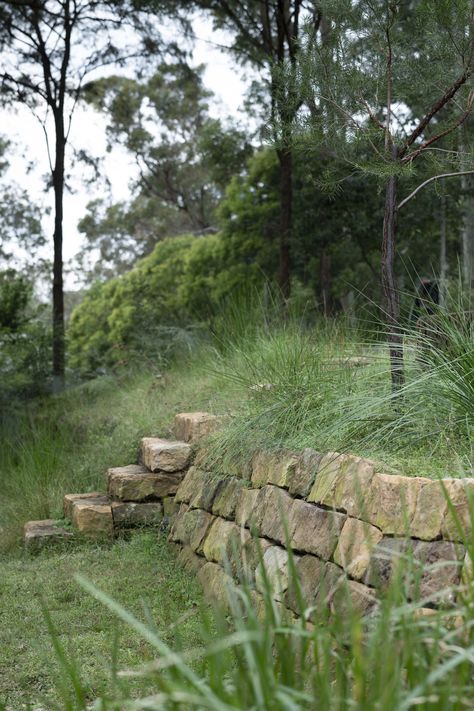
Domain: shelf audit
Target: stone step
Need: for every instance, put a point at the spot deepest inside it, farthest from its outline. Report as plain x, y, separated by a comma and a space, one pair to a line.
91, 516
39, 534
98, 516
163, 455
137, 483
194, 426
69, 500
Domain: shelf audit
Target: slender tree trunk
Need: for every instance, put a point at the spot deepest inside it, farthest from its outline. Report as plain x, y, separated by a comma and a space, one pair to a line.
58, 286
325, 282
443, 254
392, 305
285, 158
467, 233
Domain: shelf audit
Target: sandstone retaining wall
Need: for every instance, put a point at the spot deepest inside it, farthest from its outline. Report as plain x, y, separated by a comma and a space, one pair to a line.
348, 525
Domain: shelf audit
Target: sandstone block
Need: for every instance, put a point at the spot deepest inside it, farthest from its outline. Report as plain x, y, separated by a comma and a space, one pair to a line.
224, 542
227, 497
314, 530
430, 510
274, 568
301, 477
244, 513
253, 551
424, 568
354, 547
170, 507
136, 483
341, 481
194, 426
190, 527
206, 488
389, 561
188, 485
93, 518
127, 514
459, 514
190, 560
310, 572
441, 566
391, 501
272, 513
273, 467
69, 499
217, 585
39, 534
165, 455
353, 598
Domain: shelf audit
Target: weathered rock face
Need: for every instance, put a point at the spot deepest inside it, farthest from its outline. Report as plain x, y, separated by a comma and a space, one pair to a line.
136, 483
273, 572
93, 517
165, 455
356, 542
127, 514
69, 500
314, 530
38, 534
227, 498
301, 477
190, 527
193, 426
273, 467
244, 513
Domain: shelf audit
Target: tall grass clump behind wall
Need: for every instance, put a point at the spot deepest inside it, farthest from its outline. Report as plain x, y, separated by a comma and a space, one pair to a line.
326, 384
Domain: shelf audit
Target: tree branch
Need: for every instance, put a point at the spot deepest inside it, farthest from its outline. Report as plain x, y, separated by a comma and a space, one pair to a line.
436, 108
430, 180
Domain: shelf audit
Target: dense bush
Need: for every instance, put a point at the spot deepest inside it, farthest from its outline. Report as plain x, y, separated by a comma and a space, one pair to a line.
175, 289
24, 341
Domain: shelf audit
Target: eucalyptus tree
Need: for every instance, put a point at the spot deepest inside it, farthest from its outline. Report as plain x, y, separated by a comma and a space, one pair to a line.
48, 50
392, 80
266, 35
184, 158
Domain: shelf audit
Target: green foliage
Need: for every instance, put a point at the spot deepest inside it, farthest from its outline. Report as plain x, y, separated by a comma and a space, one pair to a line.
260, 658
24, 341
185, 160
140, 572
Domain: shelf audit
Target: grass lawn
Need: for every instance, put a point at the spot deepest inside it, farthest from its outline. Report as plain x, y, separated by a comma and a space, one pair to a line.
140, 573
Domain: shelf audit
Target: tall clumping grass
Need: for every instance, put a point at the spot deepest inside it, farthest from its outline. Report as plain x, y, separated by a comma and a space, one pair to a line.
327, 386
258, 656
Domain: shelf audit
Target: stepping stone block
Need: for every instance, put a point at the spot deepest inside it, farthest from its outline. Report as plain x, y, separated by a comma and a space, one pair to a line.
38, 534
137, 483
69, 499
127, 514
93, 517
165, 455
193, 426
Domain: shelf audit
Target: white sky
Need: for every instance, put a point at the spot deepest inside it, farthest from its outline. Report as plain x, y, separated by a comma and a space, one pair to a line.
222, 76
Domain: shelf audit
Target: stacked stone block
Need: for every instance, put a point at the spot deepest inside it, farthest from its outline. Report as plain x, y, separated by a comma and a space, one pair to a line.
349, 526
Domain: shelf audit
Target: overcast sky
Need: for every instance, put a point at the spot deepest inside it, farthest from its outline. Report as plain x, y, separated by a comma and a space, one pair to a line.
222, 76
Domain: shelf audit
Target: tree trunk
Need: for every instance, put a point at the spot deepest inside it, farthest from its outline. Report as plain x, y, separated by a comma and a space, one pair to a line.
467, 234
285, 158
58, 286
392, 305
443, 254
325, 282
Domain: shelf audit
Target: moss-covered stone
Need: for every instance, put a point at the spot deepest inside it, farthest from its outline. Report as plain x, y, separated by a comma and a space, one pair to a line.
227, 498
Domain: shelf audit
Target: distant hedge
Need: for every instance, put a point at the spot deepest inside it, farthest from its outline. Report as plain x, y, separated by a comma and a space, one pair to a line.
180, 283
